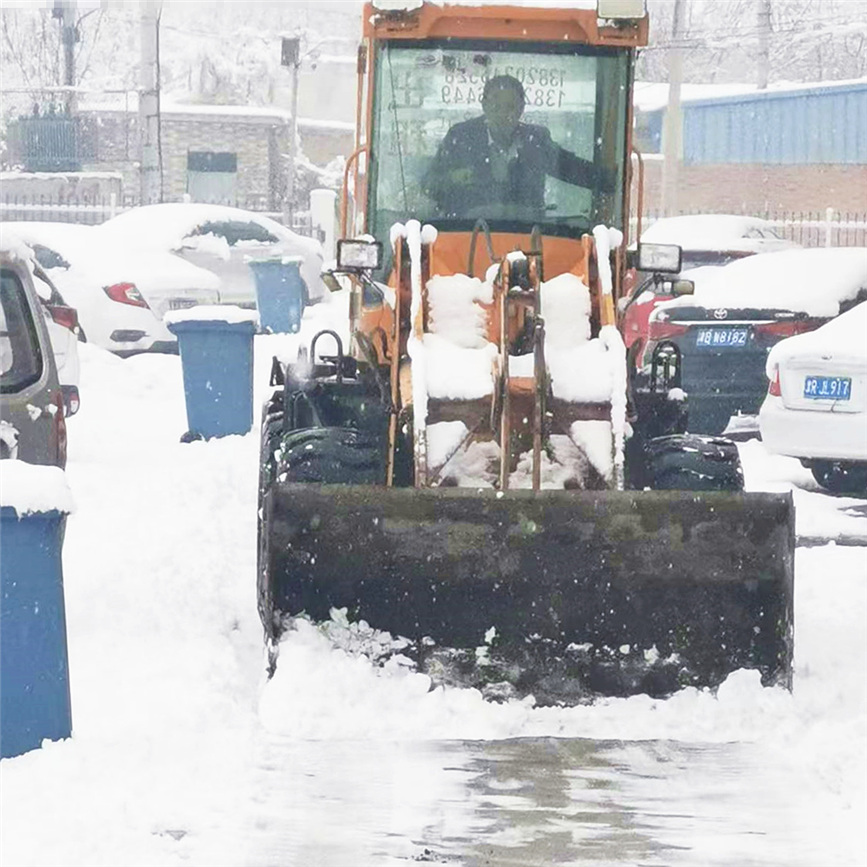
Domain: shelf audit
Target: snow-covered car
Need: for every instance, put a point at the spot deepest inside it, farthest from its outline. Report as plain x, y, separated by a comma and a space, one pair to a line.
707, 240
816, 406
62, 323
121, 292
32, 420
713, 344
221, 239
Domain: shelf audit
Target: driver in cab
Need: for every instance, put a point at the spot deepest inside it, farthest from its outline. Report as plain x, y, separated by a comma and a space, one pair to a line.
496, 165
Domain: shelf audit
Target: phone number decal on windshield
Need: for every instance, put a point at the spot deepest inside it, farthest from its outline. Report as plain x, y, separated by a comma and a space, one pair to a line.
536, 96
541, 85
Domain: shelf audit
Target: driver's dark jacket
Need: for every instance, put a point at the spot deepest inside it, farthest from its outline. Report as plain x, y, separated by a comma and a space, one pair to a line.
466, 145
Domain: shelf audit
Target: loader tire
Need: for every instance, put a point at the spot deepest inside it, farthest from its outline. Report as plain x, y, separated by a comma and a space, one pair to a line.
692, 462
342, 456
840, 477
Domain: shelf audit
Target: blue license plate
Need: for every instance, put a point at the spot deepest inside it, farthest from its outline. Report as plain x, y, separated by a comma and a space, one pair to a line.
828, 387
711, 338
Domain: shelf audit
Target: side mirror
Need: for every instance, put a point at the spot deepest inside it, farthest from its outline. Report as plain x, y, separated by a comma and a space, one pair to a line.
660, 258
682, 287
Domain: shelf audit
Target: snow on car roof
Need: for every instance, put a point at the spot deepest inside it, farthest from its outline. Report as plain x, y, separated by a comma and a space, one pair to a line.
85, 248
843, 337
167, 224
705, 231
812, 281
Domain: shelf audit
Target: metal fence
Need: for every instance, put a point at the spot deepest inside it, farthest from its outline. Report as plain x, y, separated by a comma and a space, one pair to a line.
828, 228
92, 210
809, 229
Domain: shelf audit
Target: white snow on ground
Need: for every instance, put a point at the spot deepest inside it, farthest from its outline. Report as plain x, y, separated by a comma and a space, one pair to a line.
172, 714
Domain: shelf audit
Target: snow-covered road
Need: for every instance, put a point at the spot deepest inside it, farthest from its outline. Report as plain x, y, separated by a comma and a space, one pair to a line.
182, 753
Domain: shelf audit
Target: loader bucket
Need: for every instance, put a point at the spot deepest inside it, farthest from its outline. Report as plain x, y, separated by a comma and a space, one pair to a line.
588, 593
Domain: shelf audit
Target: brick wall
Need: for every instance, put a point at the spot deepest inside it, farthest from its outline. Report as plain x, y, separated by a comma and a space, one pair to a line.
756, 189
321, 146
255, 145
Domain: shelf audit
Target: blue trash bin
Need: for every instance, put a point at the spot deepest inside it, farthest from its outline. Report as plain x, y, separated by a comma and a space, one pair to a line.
280, 293
216, 347
34, 661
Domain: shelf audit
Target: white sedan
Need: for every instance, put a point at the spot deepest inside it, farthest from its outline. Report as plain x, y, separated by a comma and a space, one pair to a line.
816, 407
220, 239
121, 293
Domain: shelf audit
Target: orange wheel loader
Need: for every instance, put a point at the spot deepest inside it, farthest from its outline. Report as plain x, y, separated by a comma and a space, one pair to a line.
467, 468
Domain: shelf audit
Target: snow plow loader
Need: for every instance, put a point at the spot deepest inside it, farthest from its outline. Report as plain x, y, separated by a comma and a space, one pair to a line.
466, 466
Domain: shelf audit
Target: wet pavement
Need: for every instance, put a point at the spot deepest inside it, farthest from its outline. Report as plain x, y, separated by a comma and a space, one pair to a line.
529, 801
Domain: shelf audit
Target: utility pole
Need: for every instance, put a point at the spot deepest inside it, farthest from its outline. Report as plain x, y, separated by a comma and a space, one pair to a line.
149, 103
64, 11
763, 13
291, 56
673, 131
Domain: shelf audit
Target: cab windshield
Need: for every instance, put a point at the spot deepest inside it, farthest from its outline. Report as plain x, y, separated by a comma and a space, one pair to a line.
439, 155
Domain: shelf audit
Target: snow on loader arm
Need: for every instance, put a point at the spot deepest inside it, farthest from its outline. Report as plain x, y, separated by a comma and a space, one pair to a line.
471, 471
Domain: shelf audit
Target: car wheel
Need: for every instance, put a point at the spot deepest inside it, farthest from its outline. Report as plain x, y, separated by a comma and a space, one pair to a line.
691, 462
840, 477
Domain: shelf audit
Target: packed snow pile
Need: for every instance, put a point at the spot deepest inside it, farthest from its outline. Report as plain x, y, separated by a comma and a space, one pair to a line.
459, 309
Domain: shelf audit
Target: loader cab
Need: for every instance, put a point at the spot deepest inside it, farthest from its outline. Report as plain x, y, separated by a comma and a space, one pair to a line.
422, 89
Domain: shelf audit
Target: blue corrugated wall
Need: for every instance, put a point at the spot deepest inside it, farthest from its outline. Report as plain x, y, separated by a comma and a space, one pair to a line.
820, 125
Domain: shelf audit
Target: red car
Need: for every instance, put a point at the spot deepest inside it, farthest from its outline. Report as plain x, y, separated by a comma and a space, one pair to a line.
711, 240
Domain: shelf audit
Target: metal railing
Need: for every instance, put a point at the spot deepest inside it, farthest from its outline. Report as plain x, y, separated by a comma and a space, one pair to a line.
92, 210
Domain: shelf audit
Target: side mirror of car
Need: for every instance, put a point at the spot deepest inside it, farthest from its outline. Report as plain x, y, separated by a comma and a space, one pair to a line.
682, 287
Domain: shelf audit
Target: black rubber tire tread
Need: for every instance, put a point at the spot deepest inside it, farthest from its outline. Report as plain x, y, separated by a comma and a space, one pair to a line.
840, 477
692, 462
332, 456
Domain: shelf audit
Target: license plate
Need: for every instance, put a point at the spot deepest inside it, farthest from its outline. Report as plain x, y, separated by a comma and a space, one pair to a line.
828, 387
718, 337
181, 303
